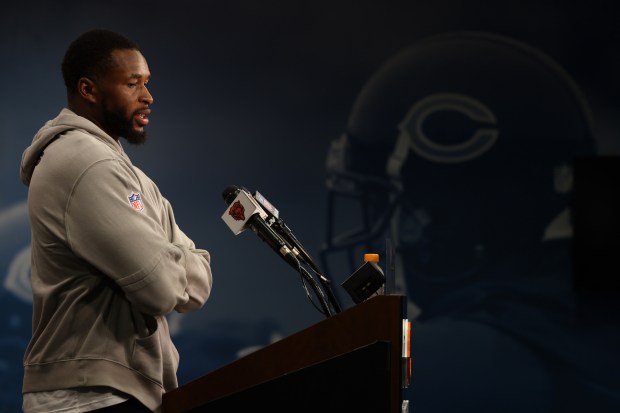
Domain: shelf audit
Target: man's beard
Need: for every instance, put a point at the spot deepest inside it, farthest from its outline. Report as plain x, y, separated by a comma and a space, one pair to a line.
117, 124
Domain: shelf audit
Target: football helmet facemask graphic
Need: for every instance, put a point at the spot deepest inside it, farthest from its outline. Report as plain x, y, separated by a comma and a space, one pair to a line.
456, 150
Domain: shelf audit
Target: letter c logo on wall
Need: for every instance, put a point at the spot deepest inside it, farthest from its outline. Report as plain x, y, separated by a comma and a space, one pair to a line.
412, 135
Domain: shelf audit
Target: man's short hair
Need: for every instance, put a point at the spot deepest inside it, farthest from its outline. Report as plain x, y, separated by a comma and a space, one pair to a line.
89, 55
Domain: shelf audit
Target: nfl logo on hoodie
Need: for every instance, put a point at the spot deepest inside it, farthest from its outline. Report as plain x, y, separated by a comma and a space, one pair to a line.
136, 202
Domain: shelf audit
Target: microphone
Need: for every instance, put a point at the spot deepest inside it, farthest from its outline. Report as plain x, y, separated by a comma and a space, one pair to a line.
269, 208
244, 212
300, 252
284, 231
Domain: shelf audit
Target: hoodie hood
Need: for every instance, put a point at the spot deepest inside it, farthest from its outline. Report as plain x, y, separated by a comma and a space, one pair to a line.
65, 121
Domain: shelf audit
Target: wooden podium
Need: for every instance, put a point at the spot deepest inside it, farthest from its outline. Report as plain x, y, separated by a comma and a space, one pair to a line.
350, 362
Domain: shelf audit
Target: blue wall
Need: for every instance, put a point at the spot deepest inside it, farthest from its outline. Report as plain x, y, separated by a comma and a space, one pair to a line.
249, 93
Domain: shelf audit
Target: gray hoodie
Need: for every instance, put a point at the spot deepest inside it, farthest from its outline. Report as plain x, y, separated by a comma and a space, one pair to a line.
108, 263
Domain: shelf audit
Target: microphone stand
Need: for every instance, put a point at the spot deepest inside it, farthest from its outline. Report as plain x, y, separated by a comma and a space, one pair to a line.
317, 290
330, 294
305, 257
285, 247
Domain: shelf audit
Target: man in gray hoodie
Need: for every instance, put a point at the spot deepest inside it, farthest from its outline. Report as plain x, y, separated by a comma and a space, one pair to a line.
108, 259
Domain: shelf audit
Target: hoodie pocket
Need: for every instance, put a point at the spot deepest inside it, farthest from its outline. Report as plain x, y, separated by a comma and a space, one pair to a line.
147, 357
156, 357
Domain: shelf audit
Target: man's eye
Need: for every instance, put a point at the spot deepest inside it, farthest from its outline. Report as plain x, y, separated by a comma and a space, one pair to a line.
132, 84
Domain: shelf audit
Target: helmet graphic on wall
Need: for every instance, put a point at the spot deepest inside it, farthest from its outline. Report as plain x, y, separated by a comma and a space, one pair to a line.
457, 149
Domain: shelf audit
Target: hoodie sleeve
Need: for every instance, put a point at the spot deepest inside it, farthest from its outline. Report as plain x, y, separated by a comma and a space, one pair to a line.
139, 246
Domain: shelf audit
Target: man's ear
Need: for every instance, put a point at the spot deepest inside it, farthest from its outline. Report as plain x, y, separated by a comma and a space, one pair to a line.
87, 89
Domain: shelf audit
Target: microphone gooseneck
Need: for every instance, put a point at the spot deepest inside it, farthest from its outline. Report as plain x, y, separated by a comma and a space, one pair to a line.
245, 212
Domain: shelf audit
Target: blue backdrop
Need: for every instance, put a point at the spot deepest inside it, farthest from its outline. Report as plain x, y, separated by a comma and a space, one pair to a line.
249, 93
